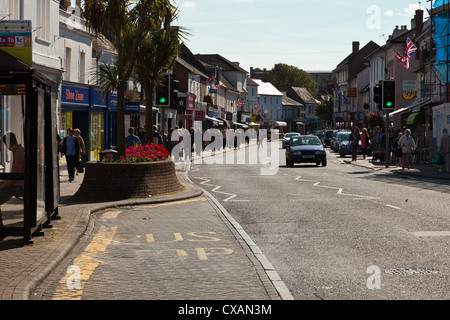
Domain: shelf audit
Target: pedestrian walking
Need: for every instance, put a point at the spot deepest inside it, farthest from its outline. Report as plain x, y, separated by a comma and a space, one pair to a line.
398, 150
141, 134
444, 151
132, 140
365, 142
157, 138
355, 137
71, 149
81, 160
408, 146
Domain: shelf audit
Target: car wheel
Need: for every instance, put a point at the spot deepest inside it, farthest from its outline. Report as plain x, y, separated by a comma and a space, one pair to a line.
324, 163
318, 163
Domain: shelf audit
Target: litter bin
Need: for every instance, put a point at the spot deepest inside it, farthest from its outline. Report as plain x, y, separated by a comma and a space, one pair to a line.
108, 152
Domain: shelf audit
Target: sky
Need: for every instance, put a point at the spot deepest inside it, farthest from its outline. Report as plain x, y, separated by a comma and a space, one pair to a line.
313, 35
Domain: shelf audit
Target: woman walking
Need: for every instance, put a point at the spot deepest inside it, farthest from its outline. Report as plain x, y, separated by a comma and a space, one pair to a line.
408, 145
354, 141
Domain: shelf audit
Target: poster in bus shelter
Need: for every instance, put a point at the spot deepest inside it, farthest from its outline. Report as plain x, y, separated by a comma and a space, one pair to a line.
15, 39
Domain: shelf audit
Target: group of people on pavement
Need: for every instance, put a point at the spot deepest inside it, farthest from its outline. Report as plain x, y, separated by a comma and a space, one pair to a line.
401, 145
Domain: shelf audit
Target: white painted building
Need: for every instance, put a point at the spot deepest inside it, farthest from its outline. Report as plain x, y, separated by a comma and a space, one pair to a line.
270, 101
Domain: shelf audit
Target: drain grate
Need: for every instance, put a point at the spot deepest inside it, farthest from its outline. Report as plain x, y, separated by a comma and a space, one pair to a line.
411, 271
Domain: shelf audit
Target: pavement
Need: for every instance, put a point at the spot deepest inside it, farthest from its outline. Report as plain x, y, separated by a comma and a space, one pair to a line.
24, 268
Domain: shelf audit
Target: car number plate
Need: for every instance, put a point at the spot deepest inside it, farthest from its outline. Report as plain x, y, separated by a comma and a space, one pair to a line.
309, 156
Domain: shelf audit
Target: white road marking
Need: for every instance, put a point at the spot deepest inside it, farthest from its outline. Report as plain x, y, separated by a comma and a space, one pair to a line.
393, 207
340, 191
431, 233
216, 190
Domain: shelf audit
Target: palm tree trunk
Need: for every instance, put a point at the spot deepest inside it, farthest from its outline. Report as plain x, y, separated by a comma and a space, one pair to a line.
121, 120
148, 90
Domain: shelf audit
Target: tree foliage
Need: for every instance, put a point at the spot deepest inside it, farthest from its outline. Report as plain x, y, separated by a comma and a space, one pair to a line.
325, 110
284, 76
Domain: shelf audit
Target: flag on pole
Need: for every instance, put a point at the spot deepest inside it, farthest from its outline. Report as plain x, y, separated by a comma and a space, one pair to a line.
405, 59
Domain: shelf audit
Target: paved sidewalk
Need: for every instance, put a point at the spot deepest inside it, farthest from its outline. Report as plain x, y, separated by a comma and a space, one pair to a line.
23, 268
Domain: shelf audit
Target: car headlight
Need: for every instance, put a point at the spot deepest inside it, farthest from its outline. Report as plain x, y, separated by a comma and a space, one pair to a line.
320, 152
297, 153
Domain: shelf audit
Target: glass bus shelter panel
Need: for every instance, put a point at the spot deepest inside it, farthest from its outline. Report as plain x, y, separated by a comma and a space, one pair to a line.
12, 155
40, 204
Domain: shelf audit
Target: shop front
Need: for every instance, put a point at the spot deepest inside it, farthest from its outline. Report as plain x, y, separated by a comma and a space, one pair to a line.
75, 112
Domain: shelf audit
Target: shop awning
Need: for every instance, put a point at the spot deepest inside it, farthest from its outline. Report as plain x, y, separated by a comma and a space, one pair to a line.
300, 123
280, 124
225, 122
252, 124
215, 121
415, 118
244, 126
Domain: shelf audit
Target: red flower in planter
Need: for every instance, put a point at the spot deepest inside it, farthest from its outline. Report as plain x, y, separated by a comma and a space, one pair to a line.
148, 153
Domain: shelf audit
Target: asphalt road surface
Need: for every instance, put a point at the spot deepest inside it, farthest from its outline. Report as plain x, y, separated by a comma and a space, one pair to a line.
342, 231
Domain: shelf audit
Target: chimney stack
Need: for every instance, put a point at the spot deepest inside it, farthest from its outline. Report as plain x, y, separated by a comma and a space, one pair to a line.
355, 45
418, 19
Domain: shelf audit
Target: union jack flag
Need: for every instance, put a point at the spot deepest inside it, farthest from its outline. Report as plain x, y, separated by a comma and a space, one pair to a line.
213, 76
405, 59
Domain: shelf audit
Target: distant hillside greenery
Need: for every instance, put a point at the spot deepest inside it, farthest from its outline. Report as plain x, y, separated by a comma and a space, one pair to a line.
284, 76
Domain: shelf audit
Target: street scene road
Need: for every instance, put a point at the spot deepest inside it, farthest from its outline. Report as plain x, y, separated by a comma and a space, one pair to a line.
341, 231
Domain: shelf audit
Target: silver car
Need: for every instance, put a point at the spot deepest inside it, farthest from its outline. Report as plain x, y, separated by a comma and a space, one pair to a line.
287, 137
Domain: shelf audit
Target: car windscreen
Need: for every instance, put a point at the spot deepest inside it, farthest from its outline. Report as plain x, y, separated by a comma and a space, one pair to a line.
305, 141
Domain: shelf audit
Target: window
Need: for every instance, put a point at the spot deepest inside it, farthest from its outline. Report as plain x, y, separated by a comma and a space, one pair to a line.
43, 20
68, 63
82, 67
14, 9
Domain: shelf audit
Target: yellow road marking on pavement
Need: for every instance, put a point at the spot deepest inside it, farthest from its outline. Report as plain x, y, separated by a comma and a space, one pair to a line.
87, 263
174, 203
111, 215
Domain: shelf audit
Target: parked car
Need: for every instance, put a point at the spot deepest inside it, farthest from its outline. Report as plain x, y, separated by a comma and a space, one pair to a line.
305, 149
335, 139
328, 135
346, 149
287, 137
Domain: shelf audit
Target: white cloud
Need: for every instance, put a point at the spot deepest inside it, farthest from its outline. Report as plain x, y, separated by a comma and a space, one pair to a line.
389, 13
411, 9
189, 4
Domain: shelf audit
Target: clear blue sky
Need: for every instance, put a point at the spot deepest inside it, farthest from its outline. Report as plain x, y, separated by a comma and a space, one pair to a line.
308, 34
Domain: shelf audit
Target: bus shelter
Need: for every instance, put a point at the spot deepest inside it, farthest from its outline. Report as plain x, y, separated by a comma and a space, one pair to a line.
29, 175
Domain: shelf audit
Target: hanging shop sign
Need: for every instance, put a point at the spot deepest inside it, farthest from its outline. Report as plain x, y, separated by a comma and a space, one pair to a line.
409, 89
15, 39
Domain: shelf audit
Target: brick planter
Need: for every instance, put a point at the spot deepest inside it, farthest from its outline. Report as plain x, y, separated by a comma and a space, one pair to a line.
121, 181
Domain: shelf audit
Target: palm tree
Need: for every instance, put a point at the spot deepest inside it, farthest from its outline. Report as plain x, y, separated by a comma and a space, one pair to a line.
125, 23
157, 54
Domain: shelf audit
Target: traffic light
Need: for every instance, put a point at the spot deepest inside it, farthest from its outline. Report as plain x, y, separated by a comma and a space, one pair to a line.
162, 92
174, 84
377, 94
388, 94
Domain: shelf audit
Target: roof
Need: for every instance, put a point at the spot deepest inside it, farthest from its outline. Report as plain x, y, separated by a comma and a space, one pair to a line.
301, 95
267, 89
286, 101
250, 82
356, 60
192, 69
213, 60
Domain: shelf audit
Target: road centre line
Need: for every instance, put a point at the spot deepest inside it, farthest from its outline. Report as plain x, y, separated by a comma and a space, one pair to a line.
231, 195
339, 192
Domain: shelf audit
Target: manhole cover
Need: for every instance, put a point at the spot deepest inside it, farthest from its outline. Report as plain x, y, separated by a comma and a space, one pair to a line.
411, 271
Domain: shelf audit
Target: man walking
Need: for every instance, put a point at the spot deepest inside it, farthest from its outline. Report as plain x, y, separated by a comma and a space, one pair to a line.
71, 149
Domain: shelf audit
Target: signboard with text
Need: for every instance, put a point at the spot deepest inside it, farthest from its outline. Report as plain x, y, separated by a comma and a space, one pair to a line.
15, 39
